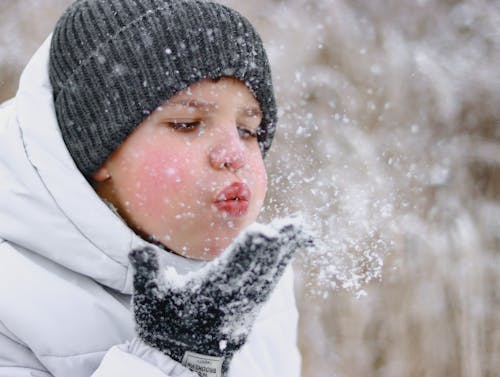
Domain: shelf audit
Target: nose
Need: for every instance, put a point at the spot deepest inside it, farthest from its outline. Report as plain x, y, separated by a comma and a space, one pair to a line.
227, 156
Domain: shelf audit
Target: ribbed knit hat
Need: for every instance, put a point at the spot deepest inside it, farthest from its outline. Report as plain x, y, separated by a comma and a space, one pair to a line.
113, 62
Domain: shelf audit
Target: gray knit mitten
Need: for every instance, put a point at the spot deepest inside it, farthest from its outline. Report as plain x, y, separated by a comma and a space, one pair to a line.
202, 319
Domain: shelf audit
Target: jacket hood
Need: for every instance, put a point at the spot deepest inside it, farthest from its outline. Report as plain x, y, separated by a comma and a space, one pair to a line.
46, 205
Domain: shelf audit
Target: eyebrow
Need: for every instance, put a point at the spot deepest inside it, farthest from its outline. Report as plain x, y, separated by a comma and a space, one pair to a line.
194, 104
249, 111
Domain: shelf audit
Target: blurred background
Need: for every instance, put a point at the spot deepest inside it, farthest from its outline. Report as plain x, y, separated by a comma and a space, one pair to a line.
389, 144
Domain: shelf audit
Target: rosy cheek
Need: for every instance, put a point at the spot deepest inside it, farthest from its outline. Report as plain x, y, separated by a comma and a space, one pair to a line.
162, 178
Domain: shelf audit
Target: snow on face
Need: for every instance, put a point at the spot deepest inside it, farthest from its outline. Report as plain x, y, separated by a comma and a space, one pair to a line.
168, 174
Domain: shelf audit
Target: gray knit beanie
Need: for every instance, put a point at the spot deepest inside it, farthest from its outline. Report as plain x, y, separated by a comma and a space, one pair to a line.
113, 62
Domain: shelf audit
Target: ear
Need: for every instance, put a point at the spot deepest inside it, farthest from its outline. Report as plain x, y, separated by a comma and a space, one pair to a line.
101, 175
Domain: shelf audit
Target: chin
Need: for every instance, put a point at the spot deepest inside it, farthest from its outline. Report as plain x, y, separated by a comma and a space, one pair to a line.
210, 248
213, 252
214, 249
210, 252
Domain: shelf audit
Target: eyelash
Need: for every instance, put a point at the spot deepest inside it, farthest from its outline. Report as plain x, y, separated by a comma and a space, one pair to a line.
191, 126
246, 133
184, 126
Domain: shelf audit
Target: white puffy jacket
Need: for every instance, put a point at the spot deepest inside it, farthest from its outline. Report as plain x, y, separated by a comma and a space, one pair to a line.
65, 279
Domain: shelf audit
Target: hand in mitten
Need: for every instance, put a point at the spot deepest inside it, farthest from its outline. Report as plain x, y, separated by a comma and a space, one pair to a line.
203, 319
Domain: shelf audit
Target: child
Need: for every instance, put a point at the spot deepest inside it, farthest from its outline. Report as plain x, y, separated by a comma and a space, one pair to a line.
140, 126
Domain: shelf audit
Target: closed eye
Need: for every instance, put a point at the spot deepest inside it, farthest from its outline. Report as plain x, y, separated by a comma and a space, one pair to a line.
184, 126
246, 133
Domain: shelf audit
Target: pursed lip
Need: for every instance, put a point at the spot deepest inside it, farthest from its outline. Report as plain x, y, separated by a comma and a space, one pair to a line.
233, 199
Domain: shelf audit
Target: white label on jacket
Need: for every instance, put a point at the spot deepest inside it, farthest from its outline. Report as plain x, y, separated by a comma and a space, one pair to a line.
205, 366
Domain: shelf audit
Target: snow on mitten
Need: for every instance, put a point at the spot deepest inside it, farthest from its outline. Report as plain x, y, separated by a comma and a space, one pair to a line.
203, 318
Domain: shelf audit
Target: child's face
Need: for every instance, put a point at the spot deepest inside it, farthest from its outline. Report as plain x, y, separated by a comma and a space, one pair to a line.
191, 175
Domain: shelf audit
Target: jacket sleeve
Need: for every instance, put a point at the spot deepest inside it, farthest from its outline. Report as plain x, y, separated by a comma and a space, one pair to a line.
128, 360
18, 361
138, 359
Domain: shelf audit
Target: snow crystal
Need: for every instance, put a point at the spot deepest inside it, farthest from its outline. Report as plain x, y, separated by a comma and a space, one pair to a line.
120, 69
222, 345
170, 171
101, 59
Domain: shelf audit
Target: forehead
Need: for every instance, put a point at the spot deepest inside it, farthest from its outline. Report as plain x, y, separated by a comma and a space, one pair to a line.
223, 89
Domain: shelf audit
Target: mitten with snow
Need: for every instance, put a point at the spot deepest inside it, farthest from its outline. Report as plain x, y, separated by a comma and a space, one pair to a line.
203, 318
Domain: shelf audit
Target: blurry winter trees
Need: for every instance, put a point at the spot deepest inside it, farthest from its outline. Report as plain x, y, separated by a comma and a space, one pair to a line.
389, 143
